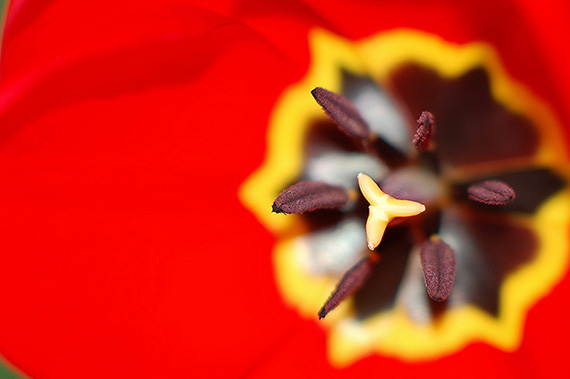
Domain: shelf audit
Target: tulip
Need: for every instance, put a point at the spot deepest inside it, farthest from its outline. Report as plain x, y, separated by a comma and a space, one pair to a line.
128, 129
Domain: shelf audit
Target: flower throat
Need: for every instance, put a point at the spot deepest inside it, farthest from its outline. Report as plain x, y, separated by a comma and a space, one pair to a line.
404, 195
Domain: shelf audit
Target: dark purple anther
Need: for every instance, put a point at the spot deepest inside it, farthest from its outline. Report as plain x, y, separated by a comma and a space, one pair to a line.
342, 112
438, 264
491, 192
352, 280
424, 131
308, 195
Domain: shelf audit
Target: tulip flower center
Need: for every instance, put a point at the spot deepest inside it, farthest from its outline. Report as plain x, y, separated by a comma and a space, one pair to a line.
415, 182
359, 250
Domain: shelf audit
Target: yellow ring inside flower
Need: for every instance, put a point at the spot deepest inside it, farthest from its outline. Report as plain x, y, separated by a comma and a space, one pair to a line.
392, 333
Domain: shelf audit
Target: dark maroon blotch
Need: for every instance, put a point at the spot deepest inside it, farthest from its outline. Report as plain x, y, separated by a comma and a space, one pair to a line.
491, 192
342, 112
352, 280
308, 196
438, 264
424, 131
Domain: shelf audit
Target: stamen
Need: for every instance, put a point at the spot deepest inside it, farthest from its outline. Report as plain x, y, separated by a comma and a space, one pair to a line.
342, 112
352, 280
491, 192
308, 196
383, 208
424, 131
438, 264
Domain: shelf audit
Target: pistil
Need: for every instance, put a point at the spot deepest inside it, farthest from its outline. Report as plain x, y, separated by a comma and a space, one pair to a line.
383, 209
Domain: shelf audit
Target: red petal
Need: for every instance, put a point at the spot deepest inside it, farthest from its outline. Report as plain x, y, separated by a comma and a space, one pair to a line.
122, 233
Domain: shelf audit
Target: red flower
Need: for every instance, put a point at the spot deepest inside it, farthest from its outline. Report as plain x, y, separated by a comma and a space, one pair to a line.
126, 129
